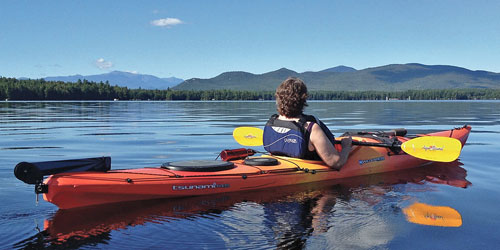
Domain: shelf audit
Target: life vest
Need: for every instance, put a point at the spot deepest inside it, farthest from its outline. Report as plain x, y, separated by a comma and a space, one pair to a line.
291, 138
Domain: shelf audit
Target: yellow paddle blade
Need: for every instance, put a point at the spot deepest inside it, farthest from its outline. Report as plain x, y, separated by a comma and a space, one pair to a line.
433, 148
423, 214
248, 136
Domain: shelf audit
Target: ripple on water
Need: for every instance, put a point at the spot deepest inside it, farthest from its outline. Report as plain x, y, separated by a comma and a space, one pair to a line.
237, 227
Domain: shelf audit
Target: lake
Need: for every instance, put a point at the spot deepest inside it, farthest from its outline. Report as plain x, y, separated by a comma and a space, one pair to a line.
359, 213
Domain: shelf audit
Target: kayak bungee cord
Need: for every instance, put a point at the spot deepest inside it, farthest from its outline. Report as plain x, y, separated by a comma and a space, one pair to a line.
242, 153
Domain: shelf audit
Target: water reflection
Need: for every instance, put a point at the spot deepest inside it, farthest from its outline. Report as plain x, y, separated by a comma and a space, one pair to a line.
343, 114
326, 215
425, 214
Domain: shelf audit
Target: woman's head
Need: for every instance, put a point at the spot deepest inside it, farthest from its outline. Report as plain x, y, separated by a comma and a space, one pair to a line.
291, 97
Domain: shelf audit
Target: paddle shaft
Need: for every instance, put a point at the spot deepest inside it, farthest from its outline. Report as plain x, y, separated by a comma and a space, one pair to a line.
372, 144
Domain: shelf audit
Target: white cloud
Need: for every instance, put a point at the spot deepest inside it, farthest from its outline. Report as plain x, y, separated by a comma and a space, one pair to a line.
103, 64
166, 22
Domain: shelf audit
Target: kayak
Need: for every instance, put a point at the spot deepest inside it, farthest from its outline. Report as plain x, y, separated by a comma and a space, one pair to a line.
102, 219
195, 178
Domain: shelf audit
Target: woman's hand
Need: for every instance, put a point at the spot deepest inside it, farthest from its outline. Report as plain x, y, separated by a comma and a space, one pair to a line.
346, 142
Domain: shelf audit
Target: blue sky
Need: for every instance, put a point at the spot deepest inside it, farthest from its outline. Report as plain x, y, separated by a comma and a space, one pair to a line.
205, 38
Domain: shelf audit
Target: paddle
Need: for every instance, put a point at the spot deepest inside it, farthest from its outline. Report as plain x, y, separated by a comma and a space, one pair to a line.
423, 214
431, 148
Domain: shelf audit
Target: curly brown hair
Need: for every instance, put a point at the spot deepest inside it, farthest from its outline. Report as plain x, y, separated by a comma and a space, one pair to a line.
291, 97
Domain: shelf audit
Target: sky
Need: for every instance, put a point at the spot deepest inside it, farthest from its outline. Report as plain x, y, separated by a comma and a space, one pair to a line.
202, 39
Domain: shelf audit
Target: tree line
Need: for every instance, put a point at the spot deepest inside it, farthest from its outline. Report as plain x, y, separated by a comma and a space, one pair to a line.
39, 89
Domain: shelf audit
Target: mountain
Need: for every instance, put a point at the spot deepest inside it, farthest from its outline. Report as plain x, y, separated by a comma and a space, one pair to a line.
238, 80
340, 69
124, 79
389, 77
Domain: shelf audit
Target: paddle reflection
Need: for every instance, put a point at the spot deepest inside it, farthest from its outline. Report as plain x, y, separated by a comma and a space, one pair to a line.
424, 214
291, 215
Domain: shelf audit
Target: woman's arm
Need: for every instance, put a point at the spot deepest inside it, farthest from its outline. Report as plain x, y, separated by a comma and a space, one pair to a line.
327, 151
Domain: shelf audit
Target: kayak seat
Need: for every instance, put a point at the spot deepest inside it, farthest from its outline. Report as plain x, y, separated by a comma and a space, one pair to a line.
198, 165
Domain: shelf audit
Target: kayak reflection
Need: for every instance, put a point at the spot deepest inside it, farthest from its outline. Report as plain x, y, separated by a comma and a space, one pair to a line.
292, 213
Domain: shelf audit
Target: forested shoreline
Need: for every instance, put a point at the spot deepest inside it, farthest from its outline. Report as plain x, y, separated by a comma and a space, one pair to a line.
39, 89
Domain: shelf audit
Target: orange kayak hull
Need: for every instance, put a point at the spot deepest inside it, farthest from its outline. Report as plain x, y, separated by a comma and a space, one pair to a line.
71, 190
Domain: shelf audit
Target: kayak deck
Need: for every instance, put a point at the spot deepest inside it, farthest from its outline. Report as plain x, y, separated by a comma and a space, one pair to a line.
70, 190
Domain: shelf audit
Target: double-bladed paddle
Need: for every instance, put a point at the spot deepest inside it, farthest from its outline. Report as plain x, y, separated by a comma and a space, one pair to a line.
431, 148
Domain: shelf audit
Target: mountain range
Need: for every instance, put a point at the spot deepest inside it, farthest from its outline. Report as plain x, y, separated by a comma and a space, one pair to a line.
124, 79
389, 77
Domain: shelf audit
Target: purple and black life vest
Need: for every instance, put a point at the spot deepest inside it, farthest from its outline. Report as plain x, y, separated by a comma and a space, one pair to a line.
291, 138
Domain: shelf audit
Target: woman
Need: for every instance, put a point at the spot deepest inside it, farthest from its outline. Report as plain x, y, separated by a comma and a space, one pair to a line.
293, 134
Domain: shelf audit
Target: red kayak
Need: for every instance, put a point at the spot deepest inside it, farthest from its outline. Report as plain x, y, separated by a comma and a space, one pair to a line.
96, 220
195, 178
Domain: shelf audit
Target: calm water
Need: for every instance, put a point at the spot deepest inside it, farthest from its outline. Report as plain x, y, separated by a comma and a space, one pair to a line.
360, 213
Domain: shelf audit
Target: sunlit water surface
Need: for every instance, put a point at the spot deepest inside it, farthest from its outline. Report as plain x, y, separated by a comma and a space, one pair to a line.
362, 213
